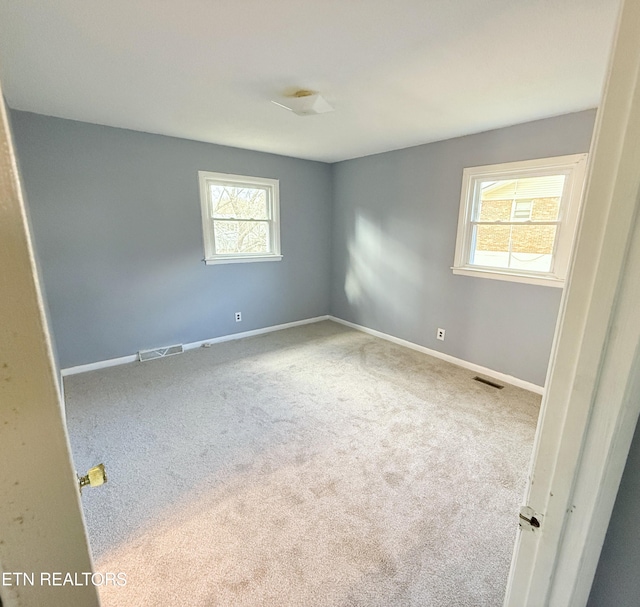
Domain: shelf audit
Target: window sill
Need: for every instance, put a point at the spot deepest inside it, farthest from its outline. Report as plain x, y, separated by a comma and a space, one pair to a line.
242, 259
545, 281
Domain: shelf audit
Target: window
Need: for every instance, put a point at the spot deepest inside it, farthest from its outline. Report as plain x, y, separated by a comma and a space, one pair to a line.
522, 210
517, 220
240, 218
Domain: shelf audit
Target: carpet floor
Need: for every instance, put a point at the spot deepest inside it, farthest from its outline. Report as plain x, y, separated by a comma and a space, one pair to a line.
316, 466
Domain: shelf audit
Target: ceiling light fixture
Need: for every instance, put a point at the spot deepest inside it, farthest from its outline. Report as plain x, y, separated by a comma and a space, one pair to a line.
305, 103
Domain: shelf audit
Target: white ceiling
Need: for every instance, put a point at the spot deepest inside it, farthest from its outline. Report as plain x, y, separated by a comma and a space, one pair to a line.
399, 72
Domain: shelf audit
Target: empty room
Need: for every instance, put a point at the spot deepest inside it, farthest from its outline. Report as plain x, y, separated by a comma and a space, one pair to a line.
319, 304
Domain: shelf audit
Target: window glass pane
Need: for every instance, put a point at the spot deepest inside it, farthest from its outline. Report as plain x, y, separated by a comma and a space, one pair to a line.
546, 209
230, 202
507, 199
491, 246
241, 237
494, 210
517, 247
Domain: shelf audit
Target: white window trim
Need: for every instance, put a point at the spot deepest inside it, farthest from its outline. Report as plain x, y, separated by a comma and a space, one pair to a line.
573, 166
273, 189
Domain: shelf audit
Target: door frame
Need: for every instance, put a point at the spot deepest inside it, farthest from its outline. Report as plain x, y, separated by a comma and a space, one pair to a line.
591, 403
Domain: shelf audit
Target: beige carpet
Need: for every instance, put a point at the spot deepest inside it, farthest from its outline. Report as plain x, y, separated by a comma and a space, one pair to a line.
316, 466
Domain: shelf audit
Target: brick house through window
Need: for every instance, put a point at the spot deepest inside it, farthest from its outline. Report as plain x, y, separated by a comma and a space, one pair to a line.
519, 200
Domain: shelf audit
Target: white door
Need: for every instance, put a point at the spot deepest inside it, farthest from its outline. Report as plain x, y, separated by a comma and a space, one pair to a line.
42, 530
592, 400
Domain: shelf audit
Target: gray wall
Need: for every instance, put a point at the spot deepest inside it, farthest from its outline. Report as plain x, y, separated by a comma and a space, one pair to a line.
394, 229
117, 226
116, 218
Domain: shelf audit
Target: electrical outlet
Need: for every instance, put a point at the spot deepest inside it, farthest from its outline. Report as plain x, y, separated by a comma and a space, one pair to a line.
440, 334
238, 316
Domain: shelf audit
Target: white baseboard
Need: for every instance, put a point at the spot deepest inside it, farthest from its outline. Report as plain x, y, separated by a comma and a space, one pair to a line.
112, 362
514, 381
101, 364
288, 325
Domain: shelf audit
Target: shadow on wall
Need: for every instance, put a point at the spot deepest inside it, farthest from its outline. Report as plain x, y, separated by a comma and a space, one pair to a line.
384, 281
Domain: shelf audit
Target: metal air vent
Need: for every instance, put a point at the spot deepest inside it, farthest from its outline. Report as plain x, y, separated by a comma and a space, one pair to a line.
160, 352
482, 380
